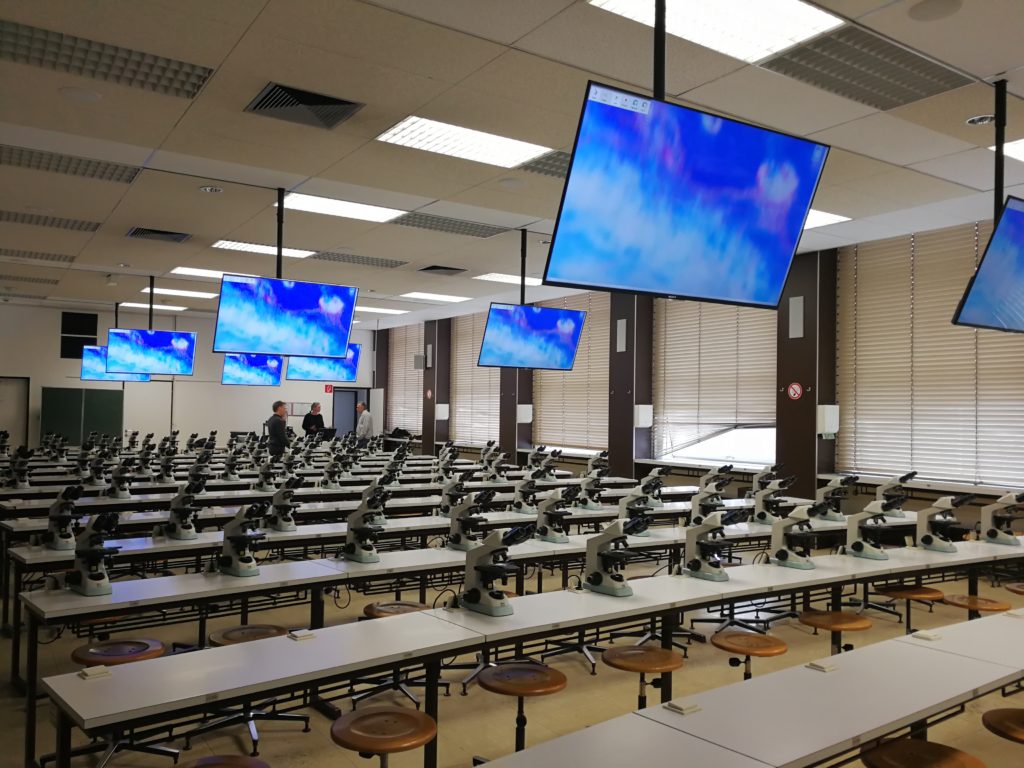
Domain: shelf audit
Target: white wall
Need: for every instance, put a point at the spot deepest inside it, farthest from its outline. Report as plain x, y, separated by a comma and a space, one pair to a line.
30, 347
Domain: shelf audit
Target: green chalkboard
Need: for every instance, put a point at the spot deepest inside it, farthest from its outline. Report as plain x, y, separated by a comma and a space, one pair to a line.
103, 411
62, 413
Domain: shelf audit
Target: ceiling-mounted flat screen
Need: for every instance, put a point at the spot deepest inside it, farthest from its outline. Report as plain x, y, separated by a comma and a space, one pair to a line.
258, 315
252, 370
94, 367
325, 368
671, 201
160, 352
995, 295
519, 336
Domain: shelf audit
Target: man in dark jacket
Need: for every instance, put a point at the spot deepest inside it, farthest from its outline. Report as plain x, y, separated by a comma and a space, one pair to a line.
277, 430
313, 421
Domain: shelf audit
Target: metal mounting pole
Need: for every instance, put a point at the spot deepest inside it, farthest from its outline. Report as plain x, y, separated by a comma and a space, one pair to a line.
1000, 141
152, 295
117, 314
522, 266
280, 232
659, 49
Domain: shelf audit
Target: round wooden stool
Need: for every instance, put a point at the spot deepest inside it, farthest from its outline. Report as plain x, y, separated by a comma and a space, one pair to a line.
645, 660
975, 605
522, 680
245, 633
110, 653
835, 622
383, 731
1006, 723
227, 761
909, 593
748, 644
387, 608
1016, 587
915, 753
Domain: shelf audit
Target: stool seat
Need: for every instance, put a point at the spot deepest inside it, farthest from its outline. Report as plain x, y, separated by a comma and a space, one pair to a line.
113, 652
648, 659
1008, 723
227, 761
749, 643
975, 603
522, 680
910, 592
245, 634
915, 753
386, 608
1016, 587
835, 621
383, 730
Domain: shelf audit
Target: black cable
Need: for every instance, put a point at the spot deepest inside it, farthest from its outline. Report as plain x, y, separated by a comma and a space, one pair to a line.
442, 593
334, 598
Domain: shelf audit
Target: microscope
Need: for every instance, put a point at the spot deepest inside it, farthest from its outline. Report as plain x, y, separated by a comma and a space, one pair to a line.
61, 520
267, 480
290, 463
487, 564
709, 497
536, 456
766, 474
179, 525
941, 509
489, 448
121, 480
200, 470
833, 493
892, 488
466, 519
652, 484
166, 474
448, 452
873, 512
552, 518
607, 556
231, 461
993, 532
361, 534
705, 539
546, 470
372, 502
143, 470
524, 496
590, 492
211, 440
443, 471
335, 470
634, 506
20, 469
147, 440
97, 476
766, 505
781, 554
5, 442
712, 474
240, 534
495, 469
281, 517
597, 463
133, 440
190, 444
452, 491
392, 471
89, 576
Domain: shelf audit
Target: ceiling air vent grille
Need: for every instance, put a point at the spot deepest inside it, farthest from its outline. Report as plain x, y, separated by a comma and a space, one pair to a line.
143, 233
35, 280
437, 269
552, 164
14, 217
89, 58
5, 295
59, 258
854, 63
451, 226
21, 157
303, 107
365, 261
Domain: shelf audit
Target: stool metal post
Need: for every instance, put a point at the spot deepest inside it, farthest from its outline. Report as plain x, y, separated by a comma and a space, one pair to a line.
669, 624
430, 706
520, 724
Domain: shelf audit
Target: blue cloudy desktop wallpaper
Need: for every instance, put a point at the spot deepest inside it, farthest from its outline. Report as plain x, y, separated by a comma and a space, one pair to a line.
531, 337
94, 367
283, 317
162, 352
667, 200
996, 298
252, 370
325, 368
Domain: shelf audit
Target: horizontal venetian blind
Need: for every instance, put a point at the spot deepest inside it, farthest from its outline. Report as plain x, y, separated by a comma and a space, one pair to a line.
570, 408
714, 368
405, 383
474, 390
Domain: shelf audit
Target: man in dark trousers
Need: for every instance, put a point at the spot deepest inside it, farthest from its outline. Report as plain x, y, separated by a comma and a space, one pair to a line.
277, 430
313, 421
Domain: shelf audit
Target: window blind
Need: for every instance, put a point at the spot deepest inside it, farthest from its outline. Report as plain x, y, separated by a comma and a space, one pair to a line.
714, 369
570, 408
405, 383
474, 390
915, 391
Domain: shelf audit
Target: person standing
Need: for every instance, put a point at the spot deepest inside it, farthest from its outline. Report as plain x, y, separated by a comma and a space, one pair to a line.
277, 430
364, 427
313, 421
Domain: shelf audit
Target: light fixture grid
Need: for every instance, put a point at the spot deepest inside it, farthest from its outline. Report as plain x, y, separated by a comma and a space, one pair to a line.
181, 292
164, 307
451, 226
21, 157
59, 258
352, 258
465, 143
266, 250
342, 208
25, 279
440, 297
54, 222
499, 277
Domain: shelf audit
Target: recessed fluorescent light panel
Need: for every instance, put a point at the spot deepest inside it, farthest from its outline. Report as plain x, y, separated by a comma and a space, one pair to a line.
165, 307
498, 277
456, 141
342, 208
1013, 149
434, 297
177, 292
748, 30
822, 219
213, 274
269, 250
382, 310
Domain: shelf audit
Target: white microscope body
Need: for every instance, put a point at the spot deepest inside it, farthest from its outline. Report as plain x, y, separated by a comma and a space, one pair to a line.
485, 565
991, 532
597, 465
833, 493
267, 481
800, 518
62, 515
552, 519
89, 576
240, 534
701, 552
634, 506
856, 545
524, 496
590, 493
766, 474
452, 491
709, 498
282, 512
893, 488
121, 481
942, 509
361, 535
766, 505
179, 524
606, 557
466, 519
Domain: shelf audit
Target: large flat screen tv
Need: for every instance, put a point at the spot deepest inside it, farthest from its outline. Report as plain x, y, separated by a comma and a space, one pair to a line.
325, 368
518, 336
258, 315
995, 295
161, 352
94, 367
671, 201
252, 370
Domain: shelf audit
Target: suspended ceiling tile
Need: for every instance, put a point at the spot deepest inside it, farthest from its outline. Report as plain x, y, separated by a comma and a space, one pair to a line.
852, 203
404, 243
947, 113
496, 20
852, 9
72, 144
57, 194
26, 237
309, 231
974, 168
538, 199
545, 226
477, 214
888, 138
205, 167
843, 166
776, 101
903, 188
813, 240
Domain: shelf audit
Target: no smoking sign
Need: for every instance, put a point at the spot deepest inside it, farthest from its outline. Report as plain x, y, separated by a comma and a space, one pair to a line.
795, 391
